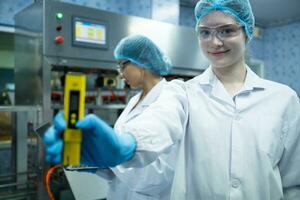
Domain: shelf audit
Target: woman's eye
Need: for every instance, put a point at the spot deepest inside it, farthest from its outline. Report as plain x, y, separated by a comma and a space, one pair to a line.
226, 31
204, 33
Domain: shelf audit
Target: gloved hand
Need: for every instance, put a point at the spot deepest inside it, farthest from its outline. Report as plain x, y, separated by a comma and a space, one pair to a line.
102, 146
53, 141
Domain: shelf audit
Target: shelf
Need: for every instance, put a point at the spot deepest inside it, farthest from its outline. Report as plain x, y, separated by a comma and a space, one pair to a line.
19, 108
96, 107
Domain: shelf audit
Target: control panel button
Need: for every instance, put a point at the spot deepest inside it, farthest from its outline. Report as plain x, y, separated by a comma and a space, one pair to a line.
59, 39
58, 28
59, 16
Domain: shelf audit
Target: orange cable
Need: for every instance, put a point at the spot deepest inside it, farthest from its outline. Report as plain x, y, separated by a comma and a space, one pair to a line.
48, 178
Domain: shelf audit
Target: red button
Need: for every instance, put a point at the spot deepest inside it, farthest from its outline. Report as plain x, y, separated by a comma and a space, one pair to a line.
59, 39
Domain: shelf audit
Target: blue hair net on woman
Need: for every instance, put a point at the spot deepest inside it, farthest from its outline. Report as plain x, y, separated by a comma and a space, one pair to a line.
239, 9
141, 51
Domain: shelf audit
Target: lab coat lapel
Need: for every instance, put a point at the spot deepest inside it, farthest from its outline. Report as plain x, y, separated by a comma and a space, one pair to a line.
220, 93
130, 110
149, 99
217, 90
134, 112
252, 82
125, 114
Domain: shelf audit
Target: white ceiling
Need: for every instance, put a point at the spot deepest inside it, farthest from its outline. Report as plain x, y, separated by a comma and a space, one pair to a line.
269, 12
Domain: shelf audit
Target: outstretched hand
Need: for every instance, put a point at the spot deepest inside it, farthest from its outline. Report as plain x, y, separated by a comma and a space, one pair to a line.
100, 146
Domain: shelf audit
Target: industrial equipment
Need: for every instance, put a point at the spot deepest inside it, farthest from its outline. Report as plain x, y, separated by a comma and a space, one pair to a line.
21, 152
54, 38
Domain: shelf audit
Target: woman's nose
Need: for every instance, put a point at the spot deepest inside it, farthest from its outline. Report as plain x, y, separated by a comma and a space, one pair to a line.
216, 41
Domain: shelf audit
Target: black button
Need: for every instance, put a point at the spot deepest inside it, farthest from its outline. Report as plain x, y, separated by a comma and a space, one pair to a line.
58, 27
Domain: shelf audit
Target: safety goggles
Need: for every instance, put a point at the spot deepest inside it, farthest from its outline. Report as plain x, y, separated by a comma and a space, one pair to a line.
121, 66
223, 32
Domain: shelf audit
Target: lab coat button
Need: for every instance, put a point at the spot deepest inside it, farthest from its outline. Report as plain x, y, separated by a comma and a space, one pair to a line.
285, 128
283, 135
237, 117
235, 183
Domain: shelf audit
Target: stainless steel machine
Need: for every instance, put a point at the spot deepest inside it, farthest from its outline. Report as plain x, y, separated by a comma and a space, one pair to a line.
53, 38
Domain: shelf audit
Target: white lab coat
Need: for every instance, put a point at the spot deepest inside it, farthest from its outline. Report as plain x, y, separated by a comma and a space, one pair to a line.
241, 148
152, 182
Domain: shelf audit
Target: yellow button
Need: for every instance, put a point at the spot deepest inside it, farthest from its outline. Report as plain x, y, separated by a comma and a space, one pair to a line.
73, 121
73, 115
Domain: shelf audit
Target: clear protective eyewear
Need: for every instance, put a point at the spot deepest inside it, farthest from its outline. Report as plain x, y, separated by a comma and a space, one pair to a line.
121, 66
223, 32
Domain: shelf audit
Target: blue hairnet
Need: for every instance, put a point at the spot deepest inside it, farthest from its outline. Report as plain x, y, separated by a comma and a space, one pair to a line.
141, 51
239, 9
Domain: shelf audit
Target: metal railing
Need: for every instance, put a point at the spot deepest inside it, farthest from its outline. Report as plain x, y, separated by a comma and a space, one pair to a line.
23, 150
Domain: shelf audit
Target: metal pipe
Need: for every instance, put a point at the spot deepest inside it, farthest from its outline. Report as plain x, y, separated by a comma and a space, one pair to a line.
16, 195
19, 108
16, 184
14, 174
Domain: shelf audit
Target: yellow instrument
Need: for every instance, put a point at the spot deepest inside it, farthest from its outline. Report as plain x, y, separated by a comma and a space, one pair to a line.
74, 98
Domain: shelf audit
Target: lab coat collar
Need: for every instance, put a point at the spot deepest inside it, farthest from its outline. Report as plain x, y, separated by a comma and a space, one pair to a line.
153, 93
149, 99
252, 81
209, 82
206, 78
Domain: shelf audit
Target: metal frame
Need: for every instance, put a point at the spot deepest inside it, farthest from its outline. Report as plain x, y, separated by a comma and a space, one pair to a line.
19, 149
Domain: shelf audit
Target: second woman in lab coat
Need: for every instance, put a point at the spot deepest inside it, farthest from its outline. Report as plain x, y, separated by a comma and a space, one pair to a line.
141, 64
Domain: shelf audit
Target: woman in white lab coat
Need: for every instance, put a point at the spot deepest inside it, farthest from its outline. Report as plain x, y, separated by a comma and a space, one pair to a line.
141, 64
238, 134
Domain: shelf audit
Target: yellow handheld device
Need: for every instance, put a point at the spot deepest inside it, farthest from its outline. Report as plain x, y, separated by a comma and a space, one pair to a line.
74, 97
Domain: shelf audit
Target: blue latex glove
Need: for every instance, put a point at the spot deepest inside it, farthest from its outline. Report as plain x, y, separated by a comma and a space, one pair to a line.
101, 146
53, 141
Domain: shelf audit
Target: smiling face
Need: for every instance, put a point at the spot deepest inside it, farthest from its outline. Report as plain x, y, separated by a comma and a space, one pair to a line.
222, 49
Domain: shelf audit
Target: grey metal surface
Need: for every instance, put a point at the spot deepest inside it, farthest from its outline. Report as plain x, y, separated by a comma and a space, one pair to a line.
21, 146
94, 186
20, 109
96, 107
169, 37
28, 56
275, 12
